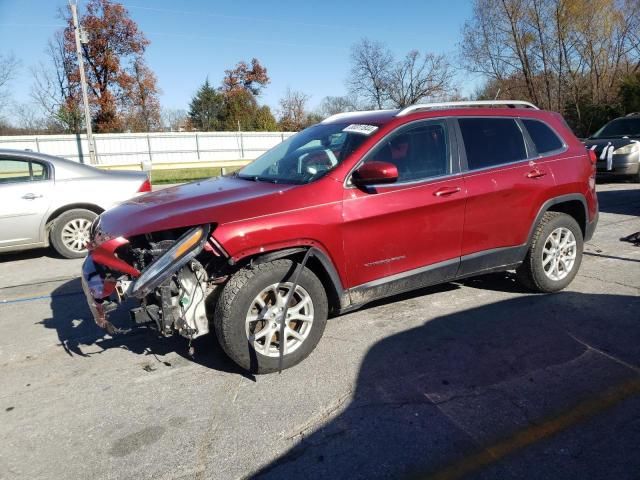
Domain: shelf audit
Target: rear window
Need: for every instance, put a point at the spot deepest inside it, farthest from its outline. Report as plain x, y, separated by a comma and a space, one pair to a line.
543, 137
489, 142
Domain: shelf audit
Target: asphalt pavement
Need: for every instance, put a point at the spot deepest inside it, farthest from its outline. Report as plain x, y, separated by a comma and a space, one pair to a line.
474, 379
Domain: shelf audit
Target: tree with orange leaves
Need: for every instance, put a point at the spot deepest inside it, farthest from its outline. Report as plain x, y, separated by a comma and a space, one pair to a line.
243, 77
122, 90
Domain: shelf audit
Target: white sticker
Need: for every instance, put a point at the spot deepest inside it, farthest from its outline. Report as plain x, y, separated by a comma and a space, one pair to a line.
360, 128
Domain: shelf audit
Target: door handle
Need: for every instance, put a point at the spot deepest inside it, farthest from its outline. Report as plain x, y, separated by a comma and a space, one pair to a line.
443, 192
536, 173
31, 196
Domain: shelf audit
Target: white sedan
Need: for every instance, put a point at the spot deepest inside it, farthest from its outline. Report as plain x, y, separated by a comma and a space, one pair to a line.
49, 200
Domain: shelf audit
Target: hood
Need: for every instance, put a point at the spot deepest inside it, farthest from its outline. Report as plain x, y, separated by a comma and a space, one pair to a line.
217, 200
603, 142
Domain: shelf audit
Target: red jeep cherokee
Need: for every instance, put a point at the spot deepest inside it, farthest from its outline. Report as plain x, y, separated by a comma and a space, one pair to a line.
361, 206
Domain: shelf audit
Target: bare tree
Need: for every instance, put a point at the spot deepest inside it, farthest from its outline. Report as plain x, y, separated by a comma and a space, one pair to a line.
418, 77
568, 55
332, 105
56, 90
369, 76
28, 118
174, 118
8, 66
293, 111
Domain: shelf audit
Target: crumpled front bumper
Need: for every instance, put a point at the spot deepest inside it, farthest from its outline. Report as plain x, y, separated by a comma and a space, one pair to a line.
98, 290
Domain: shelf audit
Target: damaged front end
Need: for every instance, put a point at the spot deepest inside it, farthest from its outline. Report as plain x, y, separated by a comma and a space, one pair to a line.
168, 272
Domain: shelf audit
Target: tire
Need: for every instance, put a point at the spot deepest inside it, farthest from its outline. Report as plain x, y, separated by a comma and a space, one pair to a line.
238, 302
537, 270
70, 230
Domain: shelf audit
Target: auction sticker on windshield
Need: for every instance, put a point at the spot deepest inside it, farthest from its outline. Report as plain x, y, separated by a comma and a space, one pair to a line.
360, 128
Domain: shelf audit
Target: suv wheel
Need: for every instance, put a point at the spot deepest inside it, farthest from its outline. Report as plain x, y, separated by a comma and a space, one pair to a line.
555, 254
247, 317
70, 233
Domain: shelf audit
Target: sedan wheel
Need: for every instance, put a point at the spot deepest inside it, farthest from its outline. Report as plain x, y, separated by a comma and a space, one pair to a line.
75, 234
70, 233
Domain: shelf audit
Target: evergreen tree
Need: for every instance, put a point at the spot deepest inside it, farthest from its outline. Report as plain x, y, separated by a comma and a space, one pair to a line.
206, 109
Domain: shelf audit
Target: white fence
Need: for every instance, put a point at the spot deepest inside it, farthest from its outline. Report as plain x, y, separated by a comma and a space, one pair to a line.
156, 148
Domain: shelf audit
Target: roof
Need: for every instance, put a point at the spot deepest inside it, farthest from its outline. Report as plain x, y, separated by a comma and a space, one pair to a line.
64, 168
377, 117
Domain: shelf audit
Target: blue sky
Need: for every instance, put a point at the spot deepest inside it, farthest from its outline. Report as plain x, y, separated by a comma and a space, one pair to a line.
304, 44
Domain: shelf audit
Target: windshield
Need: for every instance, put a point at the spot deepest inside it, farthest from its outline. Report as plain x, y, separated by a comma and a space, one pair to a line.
621, 127
308, 155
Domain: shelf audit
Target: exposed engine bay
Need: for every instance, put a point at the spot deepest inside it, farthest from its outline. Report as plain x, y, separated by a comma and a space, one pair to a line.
168, 272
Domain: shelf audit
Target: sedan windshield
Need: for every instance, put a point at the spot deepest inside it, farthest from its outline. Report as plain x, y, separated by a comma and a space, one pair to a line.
621, 127
306, 156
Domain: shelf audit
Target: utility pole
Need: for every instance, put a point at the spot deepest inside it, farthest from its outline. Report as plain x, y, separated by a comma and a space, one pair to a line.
83, 82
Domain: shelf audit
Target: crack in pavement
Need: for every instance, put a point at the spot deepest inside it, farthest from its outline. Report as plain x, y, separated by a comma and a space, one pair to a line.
608, 281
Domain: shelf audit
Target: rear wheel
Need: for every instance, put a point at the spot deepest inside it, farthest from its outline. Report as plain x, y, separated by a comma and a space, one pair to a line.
248, 316
70, 233
555, 254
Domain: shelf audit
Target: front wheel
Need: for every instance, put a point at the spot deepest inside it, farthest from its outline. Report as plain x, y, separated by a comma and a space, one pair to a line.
248, 316
555, 254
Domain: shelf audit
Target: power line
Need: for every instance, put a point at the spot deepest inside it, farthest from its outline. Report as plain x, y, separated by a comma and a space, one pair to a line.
43, 25
237, 17
194, 36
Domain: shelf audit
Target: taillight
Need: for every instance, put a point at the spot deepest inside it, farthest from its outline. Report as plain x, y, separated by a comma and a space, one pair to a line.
592, 178
145, 187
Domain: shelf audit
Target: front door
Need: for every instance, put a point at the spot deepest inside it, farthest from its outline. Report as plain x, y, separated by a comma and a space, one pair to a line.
407, 233
25, 189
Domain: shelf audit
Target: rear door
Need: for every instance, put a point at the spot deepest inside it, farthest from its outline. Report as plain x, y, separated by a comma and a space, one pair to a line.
401, 228
25, 188
506, 184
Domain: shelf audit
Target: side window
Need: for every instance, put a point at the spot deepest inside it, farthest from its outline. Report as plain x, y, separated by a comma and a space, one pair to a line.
419, 151
489, 142
18, 171
543, 137
14, 171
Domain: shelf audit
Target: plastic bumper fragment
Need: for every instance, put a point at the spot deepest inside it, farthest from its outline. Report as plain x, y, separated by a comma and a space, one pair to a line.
97, 289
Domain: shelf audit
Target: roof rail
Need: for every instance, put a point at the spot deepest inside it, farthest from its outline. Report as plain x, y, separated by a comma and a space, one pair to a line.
632, 114
338, 116
475, 103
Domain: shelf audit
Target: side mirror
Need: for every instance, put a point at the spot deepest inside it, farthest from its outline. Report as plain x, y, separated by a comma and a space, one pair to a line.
374, 173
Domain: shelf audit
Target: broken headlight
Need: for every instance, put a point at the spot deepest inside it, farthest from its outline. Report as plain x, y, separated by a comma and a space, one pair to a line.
96, 235
185, 248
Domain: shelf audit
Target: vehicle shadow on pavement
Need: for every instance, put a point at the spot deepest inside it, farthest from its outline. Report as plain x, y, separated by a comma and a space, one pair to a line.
537, 386
76, 331
624, 202
29, 254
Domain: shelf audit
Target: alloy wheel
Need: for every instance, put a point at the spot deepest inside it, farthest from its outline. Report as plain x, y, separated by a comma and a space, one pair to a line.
75, 234
559, 254
264, 319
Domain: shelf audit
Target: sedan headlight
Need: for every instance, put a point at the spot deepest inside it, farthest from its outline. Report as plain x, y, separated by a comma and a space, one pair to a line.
185, 248
627, 149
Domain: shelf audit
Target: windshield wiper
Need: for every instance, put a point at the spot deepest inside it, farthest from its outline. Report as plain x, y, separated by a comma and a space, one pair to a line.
251, 178
258, 178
